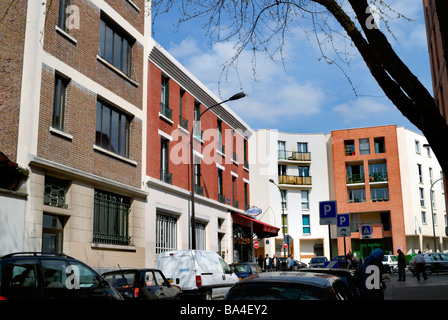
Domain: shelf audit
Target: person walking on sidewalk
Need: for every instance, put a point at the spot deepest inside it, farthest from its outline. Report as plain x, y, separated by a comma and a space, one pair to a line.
401, 266
420, 266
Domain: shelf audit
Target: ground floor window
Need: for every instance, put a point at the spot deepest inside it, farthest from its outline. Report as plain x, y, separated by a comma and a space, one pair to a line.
111, 213
200, 236
52, 233
166, 233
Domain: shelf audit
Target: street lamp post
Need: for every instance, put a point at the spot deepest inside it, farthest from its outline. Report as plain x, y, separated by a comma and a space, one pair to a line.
432, 213
283, 214
192, 228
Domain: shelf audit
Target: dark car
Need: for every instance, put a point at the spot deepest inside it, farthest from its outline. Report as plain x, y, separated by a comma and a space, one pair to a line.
142, 284
245, 269
318, 262
289, 286
340, 261
435, 262
346, 275
42, 276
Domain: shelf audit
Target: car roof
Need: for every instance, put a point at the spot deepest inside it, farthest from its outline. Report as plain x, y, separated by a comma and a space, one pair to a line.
36, 254
310, 278
129, 270
334, 271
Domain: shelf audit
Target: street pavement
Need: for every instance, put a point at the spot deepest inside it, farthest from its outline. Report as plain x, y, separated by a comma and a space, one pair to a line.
434, 288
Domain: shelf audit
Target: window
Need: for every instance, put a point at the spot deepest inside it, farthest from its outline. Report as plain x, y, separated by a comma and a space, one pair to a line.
423, 217
282, 150
284, 223
355, 173
219, 129
305, 199
197, 179
166, 233
221, 196
63, 15
197, 124
302, 147
234, 192
55, 192
422, 197
115, 47
182, 122
165, 175
306, 228
165, 98
60, 88
379, 194
52, 233
433, 198
349, 146
417, 147
282, 170
200, 236
378, 172
110, 218
283, 199
420, 173
379, 145
112, 129
356, 195
364, 146
304, 171
246, 196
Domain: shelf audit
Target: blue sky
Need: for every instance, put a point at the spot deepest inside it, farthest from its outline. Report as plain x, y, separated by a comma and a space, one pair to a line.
306, 95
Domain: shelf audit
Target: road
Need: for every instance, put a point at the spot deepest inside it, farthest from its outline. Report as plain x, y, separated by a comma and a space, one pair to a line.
435, 288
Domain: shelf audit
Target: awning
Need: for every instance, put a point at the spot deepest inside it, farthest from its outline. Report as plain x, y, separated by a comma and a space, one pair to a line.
263, 230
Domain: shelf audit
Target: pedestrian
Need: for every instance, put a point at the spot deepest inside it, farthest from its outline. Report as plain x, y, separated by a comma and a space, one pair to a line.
420, 266
291, 262
288, 263
267, 263
401, 266
372, 275
260, 261
275, 263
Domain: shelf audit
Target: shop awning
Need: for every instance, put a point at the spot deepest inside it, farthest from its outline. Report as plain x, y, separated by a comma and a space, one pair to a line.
263, 230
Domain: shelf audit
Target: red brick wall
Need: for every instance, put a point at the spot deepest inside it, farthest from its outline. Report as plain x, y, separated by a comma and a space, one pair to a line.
181, 172
395, 203
12, 38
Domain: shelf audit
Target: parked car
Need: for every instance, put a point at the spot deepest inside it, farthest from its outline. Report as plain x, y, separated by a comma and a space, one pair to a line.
390, 262
318, 262
199, 273
142, 284
435, 262
292, 285
42, 276
299, 265
341, 262
346, 275
245, 269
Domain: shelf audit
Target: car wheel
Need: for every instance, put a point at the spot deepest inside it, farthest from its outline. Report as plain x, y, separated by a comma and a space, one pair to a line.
428, 271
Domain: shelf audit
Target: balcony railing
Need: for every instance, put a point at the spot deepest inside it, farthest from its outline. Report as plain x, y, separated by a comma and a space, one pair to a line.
295, 180
221, 198
183, 123
377, 176
199, 190
294, 155
166, 111
236, 204
165, 176
355, 178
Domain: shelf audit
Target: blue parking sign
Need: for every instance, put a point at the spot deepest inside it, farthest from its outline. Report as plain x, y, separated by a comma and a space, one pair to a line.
327, 212
344, 220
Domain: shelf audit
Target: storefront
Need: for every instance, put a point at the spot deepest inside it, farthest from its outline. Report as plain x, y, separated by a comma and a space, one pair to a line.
246, 230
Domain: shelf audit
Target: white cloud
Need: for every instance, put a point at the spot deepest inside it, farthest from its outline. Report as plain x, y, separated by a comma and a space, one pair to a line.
185, 48
361, 108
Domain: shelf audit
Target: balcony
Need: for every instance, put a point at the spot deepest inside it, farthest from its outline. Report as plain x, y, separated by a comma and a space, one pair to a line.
166, 111
236, 204
294, 155
378, 177
355, 178
222, 198
165, 176
183, 123
295, 180
198, 190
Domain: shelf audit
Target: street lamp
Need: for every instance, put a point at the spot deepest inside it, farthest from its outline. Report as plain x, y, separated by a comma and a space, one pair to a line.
192, 221
283, 214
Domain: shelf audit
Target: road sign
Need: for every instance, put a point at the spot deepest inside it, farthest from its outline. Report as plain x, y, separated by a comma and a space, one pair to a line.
344, 225
287, 239
285, 245
253, 211
327, 212
366, 231
256, 244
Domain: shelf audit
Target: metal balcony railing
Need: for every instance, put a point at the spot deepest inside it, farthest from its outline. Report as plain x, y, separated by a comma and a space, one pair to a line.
294, 155
295, 180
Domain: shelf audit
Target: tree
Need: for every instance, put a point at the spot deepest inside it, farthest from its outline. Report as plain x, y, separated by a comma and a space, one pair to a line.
255, 24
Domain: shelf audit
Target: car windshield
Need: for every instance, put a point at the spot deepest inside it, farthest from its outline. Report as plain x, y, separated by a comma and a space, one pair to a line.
121, 279
239, 268
276, 291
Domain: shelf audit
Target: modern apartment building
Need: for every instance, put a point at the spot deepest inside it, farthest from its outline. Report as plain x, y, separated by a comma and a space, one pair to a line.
73, 100
382, 178
176, 99
297, 164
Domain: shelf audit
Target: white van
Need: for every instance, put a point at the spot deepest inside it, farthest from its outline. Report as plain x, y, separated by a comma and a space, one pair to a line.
202, 274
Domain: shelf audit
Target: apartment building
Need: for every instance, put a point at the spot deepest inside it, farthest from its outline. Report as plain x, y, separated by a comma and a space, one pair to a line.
176, 99
74, 109
424, 206
289, 177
